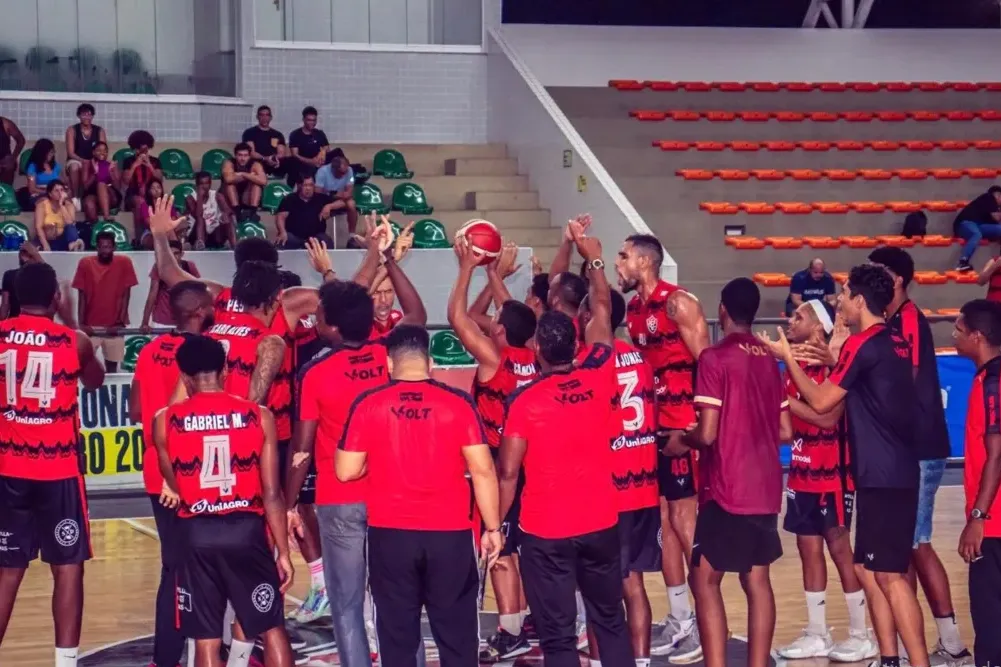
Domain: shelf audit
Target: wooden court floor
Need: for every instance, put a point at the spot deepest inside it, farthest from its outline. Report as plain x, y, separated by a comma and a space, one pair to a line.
121, 583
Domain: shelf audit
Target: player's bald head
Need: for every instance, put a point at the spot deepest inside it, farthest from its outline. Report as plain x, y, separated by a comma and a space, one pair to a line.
189, 299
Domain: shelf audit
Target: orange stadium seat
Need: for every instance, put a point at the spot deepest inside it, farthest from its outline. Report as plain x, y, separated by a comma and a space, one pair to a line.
822, 242
989, 114
963, 277
991, 86
883, 145
779, 145
784, 242
719, 207
626, 84
904, 206
857, 116
840, 277
745, 242
822, 116
789, 116
931, 86
772, 279
831, 207
695, 86
864, 86
875, 174
815, 145
756, 207
684, 115
868, 206
804, 174
662, 86
936, 240
930, 278
720, 116
695, 174
648, 114
764, 86
941, 207
745, 146
987, 145
798, 86
946, 174
840, 174
859, 241
733, 174
911, 174
832, 87
960, 115
891, 116
849, 145
897, 241
918, 145
953, 145
981, 172
899, 86
926, 115
754, 116
709, 145
794, 207
963, 86
673, 145
730, 86
768, 174
949, 312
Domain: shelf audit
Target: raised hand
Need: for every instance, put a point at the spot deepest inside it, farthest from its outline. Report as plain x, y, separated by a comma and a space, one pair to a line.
774, 346
588, 247
404, 242
161, 220
537, 268
506, 261
319, 258
467, 258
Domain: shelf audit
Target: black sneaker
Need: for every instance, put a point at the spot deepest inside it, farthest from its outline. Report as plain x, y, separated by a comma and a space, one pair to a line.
528, 628
964, 265
504, 646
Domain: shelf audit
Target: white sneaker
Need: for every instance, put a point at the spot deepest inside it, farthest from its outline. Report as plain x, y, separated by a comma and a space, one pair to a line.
808, 645
666, 635
961, 659
858, 647
582, 642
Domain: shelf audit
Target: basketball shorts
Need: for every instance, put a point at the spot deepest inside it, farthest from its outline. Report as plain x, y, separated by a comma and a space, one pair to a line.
884, 533
813, 514
43, 517
307, 494
675, 474
639, 538
227, 558
509, 526
735, 542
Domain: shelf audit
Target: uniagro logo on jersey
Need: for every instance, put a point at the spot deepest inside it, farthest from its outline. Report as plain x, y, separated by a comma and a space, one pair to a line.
263, 597
67, 532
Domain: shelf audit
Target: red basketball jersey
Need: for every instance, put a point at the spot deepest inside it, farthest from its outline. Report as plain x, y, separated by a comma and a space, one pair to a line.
634, 431
819, 455
240, 334
516, 369
159, 375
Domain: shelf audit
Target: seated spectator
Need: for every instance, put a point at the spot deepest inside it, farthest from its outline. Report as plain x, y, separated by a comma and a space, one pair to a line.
267, 144
337, 180
308, 145
42, 169
980, 219
55, 219
81, 139
212, 220
158, 299
243, 180
9, 156
303, 215
139, 170
100, 192
813, 282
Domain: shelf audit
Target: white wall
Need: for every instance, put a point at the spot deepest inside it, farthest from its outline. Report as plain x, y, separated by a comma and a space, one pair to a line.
537, 133
591, 55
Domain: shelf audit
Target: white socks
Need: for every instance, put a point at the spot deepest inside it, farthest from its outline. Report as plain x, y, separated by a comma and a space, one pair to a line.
948, 634
66, 657
227, 625
816, 612
681, 608
239, 653
593, 663
856, 611
581, 610
191, 652
316, 574
511, 623
642, 662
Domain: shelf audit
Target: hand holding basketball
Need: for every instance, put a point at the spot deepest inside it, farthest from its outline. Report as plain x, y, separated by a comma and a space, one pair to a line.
483, 238
467, 260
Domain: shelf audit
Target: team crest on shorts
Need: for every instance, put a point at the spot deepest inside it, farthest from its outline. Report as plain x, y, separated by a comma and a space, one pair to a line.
651, 324
660, 537
67, 532
263, 597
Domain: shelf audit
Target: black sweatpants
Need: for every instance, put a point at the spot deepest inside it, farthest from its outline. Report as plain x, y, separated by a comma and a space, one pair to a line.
436, 570
552, 570
985, 603
168, 643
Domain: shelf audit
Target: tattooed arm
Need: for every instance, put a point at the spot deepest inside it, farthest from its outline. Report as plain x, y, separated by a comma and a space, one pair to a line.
270, 353
686, 311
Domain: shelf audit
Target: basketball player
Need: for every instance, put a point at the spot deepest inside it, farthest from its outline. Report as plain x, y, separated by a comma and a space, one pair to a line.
43, 506
873, 378
907, 321
977, 336
820, 498
667, 326
504, 364
153, 384
218, 455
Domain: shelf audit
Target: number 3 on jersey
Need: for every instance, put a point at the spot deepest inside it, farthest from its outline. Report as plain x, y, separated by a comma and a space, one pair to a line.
217, 472
628, 381
37, 382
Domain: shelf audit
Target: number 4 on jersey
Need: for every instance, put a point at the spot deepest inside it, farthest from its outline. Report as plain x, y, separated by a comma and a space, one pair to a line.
37, 382
217, 473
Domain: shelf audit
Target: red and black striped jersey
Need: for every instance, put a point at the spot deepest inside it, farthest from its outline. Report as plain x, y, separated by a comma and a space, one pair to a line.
819, 462
159, 375
634, 431
516, 369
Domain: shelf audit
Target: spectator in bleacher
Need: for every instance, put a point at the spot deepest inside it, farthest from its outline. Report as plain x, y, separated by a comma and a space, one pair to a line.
813, 282
81, 139
302, 215
8, 156
243, 181
337, 180
104, 283
139, 170
266, 143
100, 194
212, 225
980, 219
309, 146
42, 169
158, 299
55, 220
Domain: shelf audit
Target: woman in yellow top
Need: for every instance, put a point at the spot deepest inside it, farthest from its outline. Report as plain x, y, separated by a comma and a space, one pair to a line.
55, 220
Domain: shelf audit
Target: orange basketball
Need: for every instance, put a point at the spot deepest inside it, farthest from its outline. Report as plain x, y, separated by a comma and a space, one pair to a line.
483, 238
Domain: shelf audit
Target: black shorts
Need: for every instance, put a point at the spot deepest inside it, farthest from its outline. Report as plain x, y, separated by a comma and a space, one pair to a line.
510, 525
884, 534
639, 538
307, 494
675, 474
47, 517
813, 514
227, 558
735, 542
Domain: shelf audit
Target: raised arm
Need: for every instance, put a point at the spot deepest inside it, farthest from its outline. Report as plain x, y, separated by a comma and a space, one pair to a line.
686, 311
410, 301
472, 338
161, 224
599, 295
270, 354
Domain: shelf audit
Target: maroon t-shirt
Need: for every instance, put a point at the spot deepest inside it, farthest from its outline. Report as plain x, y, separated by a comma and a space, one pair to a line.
741, 471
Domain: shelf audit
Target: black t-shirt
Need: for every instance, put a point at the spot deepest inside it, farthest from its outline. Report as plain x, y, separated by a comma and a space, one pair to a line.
8, 286
875, 369
932, 434
309, 145
979, 211
304, 215
266, 142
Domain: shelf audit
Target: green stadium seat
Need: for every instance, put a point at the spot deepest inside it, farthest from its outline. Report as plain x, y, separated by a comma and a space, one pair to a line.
12, 228
213, 160
368, 199
273, 195
410, 199
391, 164
180, 193
250, 228
429, 233
133, 345
116, 228
8, 201
22, 166
447, 350
121, 155
176, 164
